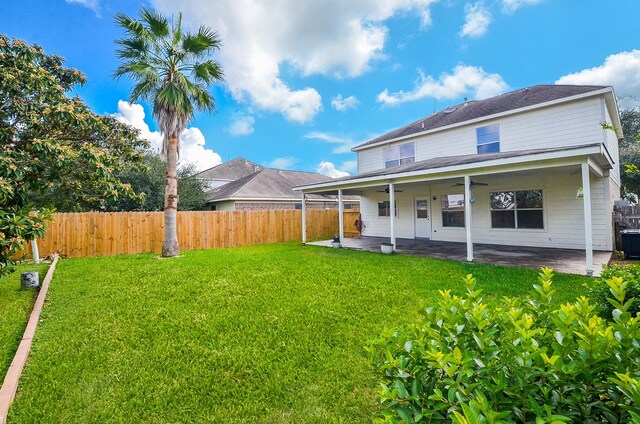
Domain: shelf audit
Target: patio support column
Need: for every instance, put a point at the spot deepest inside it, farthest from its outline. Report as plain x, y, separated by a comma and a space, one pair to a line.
588, 229
304, 218
467, 216
341, 216
392, 215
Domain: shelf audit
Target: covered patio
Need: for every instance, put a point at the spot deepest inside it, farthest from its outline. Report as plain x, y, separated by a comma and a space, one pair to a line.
458, 203
570, 261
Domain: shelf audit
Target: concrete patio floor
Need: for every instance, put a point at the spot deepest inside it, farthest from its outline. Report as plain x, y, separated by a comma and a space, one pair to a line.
567, 261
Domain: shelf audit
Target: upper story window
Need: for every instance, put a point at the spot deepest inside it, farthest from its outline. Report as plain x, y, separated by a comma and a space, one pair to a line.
399, 154
488, 138
517, 209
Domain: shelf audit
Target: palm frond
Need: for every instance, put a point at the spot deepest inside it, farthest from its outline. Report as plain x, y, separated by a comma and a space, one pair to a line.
204, 100
177, 31
208, 72
130, 25
123, 20
197, 93
157, 24
205, 41
145, 90
172, 97
137, 70
132, 46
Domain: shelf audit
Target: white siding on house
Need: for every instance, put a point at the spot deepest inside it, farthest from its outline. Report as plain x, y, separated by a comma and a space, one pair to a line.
370, 160
611, 142
563, 212
575, 123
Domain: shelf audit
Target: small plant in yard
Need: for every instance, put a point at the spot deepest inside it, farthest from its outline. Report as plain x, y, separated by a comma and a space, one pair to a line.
600, 292
522, 361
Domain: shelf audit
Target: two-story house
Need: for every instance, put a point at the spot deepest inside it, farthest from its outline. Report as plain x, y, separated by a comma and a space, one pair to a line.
533, 167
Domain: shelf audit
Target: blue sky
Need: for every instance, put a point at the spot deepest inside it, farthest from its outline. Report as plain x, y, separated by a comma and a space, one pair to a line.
308, 80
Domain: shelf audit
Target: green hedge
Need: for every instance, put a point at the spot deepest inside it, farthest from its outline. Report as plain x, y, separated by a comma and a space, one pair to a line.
522, 361
600, 292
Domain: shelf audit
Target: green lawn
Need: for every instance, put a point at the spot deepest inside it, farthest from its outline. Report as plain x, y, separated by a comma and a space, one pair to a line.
15, 308
267, 334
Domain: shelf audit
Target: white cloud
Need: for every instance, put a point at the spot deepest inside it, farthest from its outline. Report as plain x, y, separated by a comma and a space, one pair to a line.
621, 70
464, 80
330, 170
193, 150
91, 4
512, 5
333, 37
341, 104
477, 20
192, 147
282, 163
344, 143
242, 125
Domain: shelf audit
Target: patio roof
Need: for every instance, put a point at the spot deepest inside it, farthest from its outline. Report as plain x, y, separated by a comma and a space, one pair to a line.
476, 164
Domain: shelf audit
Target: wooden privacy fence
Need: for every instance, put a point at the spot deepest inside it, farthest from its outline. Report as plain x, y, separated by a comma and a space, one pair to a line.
104, 234
349, 223
625, 217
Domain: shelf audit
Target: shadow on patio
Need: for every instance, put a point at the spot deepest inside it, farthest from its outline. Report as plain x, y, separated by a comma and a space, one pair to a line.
567, 261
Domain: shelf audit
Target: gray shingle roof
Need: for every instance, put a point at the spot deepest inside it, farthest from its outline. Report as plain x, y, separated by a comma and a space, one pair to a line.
443, 162
231, 170
479, 108
269, 184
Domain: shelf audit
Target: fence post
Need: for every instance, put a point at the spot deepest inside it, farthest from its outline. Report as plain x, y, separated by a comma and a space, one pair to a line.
34, 251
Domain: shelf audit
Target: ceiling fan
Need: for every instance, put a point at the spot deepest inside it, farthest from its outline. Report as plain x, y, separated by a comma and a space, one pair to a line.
386, 190
473, 183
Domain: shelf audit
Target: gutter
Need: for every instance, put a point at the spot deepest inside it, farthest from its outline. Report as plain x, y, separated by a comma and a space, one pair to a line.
476, 167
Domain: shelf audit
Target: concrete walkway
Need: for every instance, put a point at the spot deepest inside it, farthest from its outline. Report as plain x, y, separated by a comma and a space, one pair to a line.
567, 261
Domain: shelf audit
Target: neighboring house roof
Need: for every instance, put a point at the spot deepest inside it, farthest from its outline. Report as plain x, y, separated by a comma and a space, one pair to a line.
475, 109
230, 171
448, 163
270, 184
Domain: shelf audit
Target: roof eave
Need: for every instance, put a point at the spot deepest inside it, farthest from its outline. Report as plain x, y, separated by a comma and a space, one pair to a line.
534, 157
612, 104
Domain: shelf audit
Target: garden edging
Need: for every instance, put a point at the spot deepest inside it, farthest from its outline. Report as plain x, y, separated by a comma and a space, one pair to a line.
10, 384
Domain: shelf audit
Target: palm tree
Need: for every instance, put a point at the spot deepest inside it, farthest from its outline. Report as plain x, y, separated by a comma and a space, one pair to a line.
172, 70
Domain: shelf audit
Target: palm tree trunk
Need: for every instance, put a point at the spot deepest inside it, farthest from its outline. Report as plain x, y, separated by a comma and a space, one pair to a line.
170, 245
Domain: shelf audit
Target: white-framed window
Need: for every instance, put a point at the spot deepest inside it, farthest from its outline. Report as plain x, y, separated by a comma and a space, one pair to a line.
488, 139
399, 154
517, 209
384, 208
452, 210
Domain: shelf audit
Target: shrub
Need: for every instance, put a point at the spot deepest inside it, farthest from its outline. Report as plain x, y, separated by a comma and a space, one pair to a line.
467, 362
599, 291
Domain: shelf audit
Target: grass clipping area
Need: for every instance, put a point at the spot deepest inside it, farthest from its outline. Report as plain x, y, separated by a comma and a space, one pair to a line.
15, 307
268, 334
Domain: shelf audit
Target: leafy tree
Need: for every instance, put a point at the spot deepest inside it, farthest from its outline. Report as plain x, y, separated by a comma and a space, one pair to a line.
193, 191
630, 153
150, 181
50, 142
172, 70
